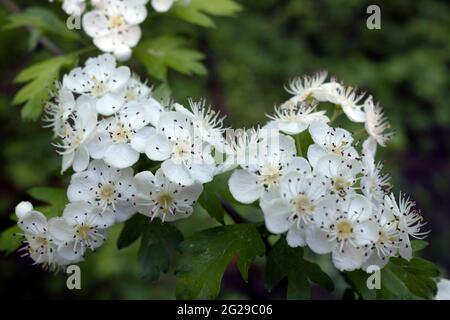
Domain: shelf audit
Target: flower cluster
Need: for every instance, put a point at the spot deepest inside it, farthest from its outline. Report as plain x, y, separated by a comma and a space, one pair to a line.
103, 118
311, 181
335, 199
114, 24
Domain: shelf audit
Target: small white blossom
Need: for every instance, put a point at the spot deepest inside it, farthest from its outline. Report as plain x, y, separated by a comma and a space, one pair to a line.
186, 157
304, 88
76, 134
349, 101
81, 227
114, 26
165, 5
376, 123
58, 111
328, 140
346, 229
100, 80
296, 118
341, 174
158, 197
292, 208
106, 187
119, 139
410, 222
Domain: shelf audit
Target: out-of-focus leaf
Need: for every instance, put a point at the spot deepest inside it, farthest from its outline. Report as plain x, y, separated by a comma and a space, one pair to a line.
40, 80
207, 254
131, 231
153, 253
165, 52
56, 199
41, 19
162, 93
286, 262
199, 11
213, 193
9, 242
418, 245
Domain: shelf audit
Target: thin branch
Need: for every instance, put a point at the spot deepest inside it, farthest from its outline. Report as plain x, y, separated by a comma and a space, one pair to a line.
43, 40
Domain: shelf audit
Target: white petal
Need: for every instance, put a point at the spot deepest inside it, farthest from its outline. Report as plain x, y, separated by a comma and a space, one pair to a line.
202, 173
95, 23
109, 104
189, 194
144, 182
296, 237
81, 159
276, 215
244, 187
158, 148
67, 161
119, 78
174, 125
300, 165
177, 172
141, 138
68, 252
80, 187
121, 156
33, 222
315, 152
162, 5
317, 240
349, 258
61, 230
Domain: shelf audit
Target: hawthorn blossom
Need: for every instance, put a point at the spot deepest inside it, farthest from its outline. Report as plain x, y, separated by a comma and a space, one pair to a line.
106, 187
292, 208
77, 132
119, 139
101, 80
350, 101
296, 118
57, 112
265, 169
374, 183
344, 227
186, 157
81, 227
410, 222
207, 123
73, 7
376, 123
165, 5
114, 26
341, 174
159, 197
328, 140
304, 88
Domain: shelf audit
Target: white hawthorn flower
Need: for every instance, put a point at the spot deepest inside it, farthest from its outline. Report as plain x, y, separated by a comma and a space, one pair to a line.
114, 26
409, 222
345, 228
106, 187
328, 140
158, 197
376, 123
74, 7
293, 208
374, 183
82, 226
296, 118
386, 246
250, 183
341, 174
58, 111
119, 139
101, 80
443, 290
186, 157
349, 101
304, 88
75, 136
135, 90
208, 124
39, 244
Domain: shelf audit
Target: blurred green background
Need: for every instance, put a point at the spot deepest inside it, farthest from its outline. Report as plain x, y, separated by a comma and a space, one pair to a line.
405, 65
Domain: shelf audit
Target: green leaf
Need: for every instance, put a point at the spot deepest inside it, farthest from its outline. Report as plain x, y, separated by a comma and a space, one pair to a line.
165, 52
418, 245
56, 199
286, 262
40, 79
198, 11
400, 279
153, 253
207, 254
9, 242
213, 193
131, 231
42, 20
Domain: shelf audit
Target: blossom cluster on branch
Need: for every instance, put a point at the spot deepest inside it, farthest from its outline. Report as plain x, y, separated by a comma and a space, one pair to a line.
309, 178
